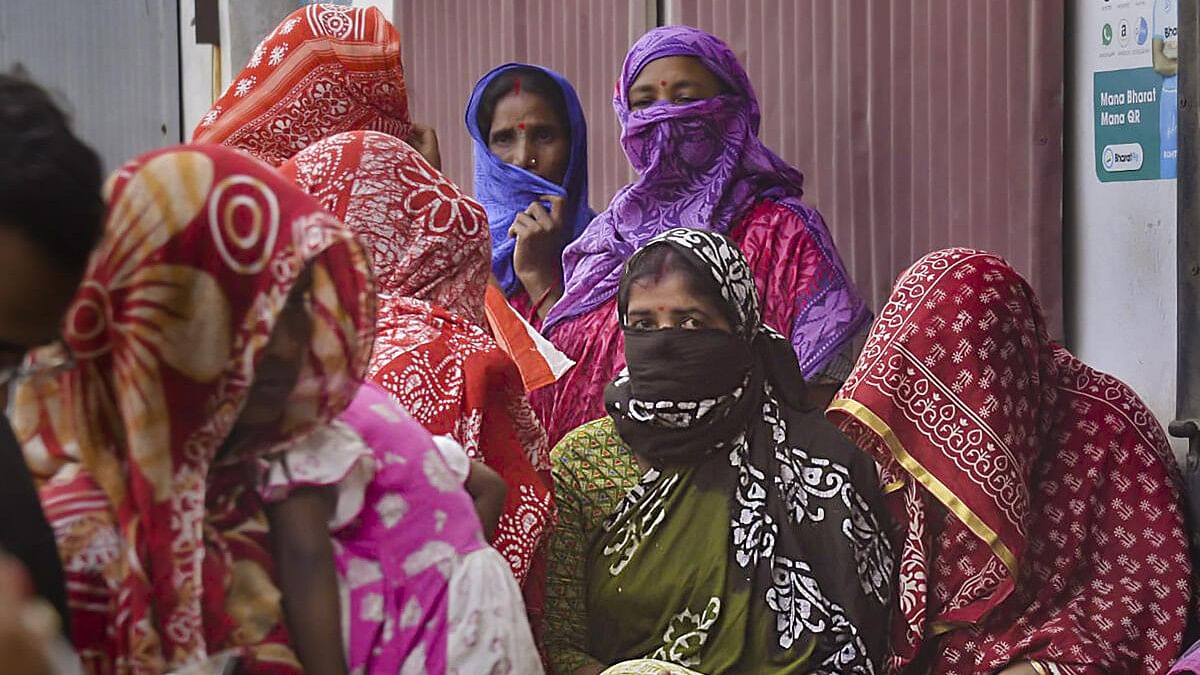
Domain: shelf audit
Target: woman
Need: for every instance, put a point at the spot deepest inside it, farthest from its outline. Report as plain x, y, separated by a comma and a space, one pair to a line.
714, 475
323, 70
339, 70
429, 245
1037, 498
531, 176
175, 395
690, 121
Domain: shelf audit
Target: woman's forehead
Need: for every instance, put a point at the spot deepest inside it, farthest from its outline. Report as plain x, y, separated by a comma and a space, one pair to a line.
675, 67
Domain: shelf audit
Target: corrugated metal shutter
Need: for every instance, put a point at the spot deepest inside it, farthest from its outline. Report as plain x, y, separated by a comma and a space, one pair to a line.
113, 65
449, 44
919, 124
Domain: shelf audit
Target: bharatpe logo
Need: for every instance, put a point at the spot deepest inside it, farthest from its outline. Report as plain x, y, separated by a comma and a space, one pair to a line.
1143, 31
1122, 157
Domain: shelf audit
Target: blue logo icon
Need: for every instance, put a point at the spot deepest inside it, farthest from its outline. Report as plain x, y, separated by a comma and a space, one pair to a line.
1108, 159
1143, 30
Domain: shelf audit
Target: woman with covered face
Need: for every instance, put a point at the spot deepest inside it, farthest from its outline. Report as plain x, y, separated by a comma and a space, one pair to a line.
324, 98
223, 314
713, 519
690, 129
531, 175
1036, 500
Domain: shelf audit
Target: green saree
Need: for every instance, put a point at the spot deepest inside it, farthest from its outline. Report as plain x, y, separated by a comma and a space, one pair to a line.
655, 589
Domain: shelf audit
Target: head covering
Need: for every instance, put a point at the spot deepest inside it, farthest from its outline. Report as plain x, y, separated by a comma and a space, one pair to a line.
428, 240
1038, 498
433, 350
506, 190
701, 166
323, 70
791, 478
202, 248
722, 391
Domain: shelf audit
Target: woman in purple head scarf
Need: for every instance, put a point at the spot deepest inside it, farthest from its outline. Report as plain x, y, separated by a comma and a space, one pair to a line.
690, 121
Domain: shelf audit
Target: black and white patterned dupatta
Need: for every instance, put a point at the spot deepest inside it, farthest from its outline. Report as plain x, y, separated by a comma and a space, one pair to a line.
806, 534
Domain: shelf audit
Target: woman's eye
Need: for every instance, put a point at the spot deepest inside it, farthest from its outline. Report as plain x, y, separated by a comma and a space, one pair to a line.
640, 104
642, 324
691, 323
545, 136
684, 100
503, 138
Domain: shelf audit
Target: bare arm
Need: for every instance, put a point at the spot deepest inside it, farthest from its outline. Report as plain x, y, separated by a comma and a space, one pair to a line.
487, 490
24, 651
308, 577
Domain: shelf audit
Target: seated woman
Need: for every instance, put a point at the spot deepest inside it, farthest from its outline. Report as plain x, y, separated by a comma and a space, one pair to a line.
174, 398
531, 175
714, 519
339, 72
1037, 501
429, 247
690, 121
421, 591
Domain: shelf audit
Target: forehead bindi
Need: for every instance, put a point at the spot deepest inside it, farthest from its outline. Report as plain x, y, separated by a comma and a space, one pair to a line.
527, 111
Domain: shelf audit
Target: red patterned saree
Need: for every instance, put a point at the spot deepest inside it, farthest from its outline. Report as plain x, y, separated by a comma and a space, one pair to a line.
1036, 498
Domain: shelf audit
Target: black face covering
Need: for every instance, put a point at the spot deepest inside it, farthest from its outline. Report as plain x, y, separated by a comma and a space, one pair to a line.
684, 394
731, 408
677, 364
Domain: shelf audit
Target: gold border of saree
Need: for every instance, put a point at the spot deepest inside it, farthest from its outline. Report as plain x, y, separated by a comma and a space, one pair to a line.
931, 482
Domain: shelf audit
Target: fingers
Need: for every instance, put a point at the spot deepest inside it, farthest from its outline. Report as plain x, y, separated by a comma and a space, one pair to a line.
538, 211
558, 207
522, 226
422, 131
548, 221
423, 138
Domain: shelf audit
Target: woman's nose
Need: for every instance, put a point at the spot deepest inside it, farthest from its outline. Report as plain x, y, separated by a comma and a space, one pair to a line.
523, 155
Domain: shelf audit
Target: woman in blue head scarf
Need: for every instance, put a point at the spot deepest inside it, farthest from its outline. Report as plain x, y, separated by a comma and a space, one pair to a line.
531, 176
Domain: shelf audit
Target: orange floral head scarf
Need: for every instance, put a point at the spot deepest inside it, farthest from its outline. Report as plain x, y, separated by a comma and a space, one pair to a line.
427, 239
202, 249
434, 353
325, 69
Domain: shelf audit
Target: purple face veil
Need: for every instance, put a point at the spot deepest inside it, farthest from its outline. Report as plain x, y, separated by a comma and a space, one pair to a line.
703, 166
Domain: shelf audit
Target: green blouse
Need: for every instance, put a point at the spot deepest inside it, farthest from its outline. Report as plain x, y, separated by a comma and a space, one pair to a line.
593, 471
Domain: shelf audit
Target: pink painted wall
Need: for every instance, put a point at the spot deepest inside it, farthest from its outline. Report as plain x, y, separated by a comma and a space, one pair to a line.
918, 124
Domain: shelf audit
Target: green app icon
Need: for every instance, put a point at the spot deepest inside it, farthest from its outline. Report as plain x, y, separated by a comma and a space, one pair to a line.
1106, 34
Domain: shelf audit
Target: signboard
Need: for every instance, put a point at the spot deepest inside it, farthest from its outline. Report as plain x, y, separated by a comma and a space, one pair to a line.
1135, 89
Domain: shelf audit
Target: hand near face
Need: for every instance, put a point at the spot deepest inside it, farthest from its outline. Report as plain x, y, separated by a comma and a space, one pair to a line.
423, 138
537, 258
